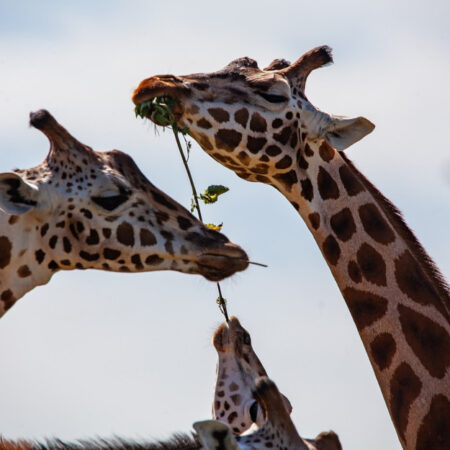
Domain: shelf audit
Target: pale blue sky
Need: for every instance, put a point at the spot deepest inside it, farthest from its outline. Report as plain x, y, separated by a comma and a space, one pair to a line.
95, 353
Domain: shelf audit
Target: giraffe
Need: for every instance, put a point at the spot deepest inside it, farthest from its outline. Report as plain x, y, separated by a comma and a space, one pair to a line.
83, 209
260, 124
238, 368
278, 432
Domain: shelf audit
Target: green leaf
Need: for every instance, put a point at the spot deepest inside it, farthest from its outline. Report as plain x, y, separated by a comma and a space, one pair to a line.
211, 193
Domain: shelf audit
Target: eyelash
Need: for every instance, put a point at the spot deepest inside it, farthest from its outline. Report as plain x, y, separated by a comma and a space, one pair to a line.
272, 98
110, 203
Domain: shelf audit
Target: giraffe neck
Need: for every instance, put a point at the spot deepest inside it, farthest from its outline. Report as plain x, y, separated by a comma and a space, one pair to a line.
20, 257
397, 298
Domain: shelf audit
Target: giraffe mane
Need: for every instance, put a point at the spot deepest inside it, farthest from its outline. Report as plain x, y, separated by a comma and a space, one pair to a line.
396, 219
178, 441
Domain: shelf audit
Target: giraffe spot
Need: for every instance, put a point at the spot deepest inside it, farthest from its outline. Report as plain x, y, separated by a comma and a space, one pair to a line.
314, 219
89, 256
204, 141
331, 250
80, 227
23, 271
8, 299
203, 123
5, 251
236, 399
227, 139
284, 162
184, 222
147, 237
153, 260
125, 234
308, 150
434, 430
301, 161
53, 265
343, 225
354, 272
44, 229
365, 307
294, 140
39, 255
255, 144
328, 188
283, 136
258, 123
136, 260
326, 152
307, 189
372, 265
233, 387
413, 282
428, 340
221, 394
93, 238
405, 388
161, 217
73, 231
264, 158
383, 349
273, 150
277, 123
375, 224
86, 213
219, 114
106, 232
350, 182
13, 219
110, 253
241, 117
67, 246
232, 417
163, 200
243, 158
287, 179
262, 179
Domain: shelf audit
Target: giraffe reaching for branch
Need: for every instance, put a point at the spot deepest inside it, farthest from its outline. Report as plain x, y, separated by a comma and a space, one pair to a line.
82, 209
260, 124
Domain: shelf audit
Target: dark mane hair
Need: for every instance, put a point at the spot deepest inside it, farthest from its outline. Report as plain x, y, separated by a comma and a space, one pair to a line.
395, 217
179, 441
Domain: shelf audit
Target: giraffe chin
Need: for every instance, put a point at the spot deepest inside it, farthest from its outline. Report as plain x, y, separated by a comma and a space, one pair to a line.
215, 267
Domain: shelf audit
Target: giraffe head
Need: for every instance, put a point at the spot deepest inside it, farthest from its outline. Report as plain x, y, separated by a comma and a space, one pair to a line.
256, 122
238, 369
278, 431
83, 209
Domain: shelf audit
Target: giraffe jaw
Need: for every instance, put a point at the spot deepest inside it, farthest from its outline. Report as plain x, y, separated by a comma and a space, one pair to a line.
217, 266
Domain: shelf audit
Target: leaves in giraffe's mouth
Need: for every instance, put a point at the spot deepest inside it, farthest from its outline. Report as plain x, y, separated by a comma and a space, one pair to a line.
160, 110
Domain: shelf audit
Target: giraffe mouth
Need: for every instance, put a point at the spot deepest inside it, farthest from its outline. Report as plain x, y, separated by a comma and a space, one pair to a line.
161, 86
216, 266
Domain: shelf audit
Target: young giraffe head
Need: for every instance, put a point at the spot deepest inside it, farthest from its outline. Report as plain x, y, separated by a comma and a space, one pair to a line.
83, 209
238, 368
278, 431
257, 122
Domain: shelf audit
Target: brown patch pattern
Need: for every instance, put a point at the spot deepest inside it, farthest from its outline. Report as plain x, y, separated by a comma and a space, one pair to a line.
5, 251
405, 388
331, 250
434, 432
383, 349
125, 234
372, 265
314, 219
307, 189
258, 123
354, 272
219, 114
343, 225
350, 182
429, 341
227, 139
366, 308
255, 144
375, 224
326, 152
328, 188
241, 117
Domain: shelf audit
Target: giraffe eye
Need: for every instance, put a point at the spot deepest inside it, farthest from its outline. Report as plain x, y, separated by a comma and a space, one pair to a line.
110, 202
272, 98
254, 411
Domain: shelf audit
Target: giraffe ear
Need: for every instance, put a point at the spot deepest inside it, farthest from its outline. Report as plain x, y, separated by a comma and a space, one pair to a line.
17, 196
342, 132
214, 434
